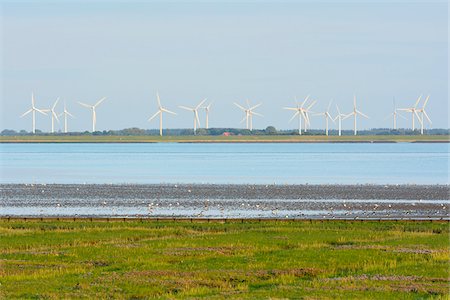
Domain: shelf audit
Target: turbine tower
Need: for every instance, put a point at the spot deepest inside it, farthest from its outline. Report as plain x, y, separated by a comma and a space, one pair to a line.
339, 117
394, 116
207, 114
53, 114
33, 110
93, 107
300, 112
327, 116
413, 110
195, 111
424, 113
160, 112
249, 113
65, 113
355, 113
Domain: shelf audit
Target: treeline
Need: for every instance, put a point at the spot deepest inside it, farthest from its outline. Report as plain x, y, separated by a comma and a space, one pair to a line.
270, 130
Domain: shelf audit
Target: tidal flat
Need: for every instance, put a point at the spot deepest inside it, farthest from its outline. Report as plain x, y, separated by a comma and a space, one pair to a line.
250, 259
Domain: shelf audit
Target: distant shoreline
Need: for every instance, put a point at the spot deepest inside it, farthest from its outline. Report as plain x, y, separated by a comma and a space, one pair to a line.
228, 139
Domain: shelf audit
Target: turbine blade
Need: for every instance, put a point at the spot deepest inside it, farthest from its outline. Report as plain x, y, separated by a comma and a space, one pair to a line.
55, 115
257, 105
329, 105
291, 108
68, 113
405, 109
417, 102
159, 100
293, 117
401, 116
197, 118
304, 101
99, 101
42, 111
26, 113
84, 104
168, 111
362, 114
337, 107
56, 102
311, 105
239, 106
426, 101
256, 114
418, 117
201, 103
426, 115
152, 117
186, 108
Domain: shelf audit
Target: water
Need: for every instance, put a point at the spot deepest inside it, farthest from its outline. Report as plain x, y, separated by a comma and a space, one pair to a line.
402, 163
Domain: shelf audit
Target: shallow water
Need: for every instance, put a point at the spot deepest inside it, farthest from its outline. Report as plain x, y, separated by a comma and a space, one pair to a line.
401, 163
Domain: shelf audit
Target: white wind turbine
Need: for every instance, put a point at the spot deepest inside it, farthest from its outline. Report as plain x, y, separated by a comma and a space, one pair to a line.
327, 116
92, 107
207, 114
160, 112
33, 110
355, 113
65, 113
195, 111
394, 116
249, 113
299, 111
424, 113
339, 117
53, 114
413, 110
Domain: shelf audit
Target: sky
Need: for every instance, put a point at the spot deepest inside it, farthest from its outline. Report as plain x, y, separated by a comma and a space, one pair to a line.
268, 52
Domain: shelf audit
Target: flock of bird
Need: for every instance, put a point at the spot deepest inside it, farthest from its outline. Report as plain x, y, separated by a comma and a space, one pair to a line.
302, 111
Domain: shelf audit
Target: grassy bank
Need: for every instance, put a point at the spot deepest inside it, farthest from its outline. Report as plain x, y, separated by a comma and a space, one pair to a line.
223, 139
167, 259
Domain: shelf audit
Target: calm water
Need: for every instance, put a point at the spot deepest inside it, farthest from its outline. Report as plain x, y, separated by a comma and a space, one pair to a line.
225, 163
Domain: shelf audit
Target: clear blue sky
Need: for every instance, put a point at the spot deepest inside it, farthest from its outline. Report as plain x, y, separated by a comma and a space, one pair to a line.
267, 52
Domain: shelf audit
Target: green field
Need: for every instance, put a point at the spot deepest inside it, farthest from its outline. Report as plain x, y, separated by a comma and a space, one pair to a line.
223, 139
250, 260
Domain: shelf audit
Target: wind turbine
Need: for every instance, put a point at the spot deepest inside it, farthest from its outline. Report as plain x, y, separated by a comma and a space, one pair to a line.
92, 107
340, 117
423, 112
394, 115
300, 112
160, 112
207, 114
249, 113
65, 113
355, 113
33, 110
53, 114
195, 111
413, 111
327, 116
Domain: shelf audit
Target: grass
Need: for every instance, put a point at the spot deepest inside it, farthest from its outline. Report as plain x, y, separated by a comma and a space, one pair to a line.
222, 139
52, 259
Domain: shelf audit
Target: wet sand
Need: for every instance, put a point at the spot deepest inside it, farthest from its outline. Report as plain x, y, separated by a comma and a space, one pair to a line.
227, 201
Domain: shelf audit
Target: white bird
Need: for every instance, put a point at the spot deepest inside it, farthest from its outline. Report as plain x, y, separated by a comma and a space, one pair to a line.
33, 110
249, 113
300, 112
413, 111
327, 116
160, 112
424, 113
65, 113
53, 114
92, 107
195, 111
339, 117
355, 113
394, 116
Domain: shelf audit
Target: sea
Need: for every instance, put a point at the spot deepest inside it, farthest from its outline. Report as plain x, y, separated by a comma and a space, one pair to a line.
222, 163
